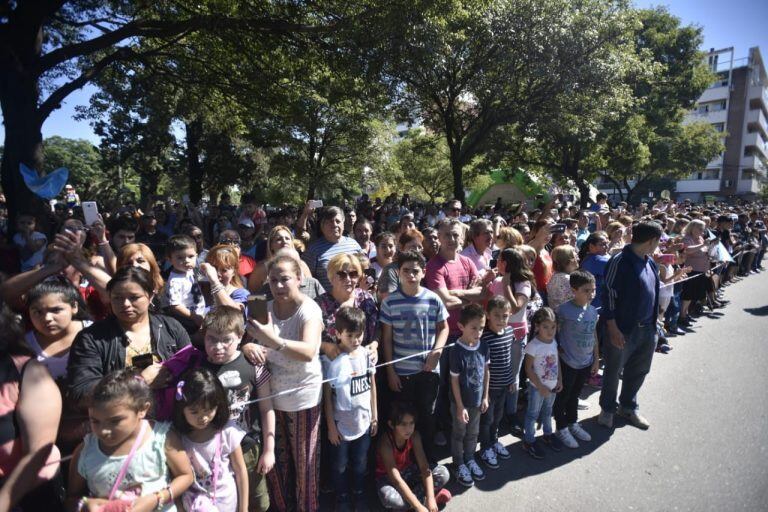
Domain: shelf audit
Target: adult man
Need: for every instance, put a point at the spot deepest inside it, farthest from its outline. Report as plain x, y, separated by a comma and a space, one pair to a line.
247, 231
630, 306
150, 236
479, 250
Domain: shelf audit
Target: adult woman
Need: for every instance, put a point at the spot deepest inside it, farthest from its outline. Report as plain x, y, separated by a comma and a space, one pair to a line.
344, 273
290, 342
30, 410
594, 258
196, 234
696, 257
131, 336
542, 267
385, 251
279, 238
615, 231
220, 268
141, 256
329, 244
389, 280
508, 237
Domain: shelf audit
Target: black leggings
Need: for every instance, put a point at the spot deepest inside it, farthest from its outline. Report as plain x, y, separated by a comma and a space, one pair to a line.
566, 407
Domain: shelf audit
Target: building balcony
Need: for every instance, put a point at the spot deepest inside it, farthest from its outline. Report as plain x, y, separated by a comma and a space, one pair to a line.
758, 94
713, 117
714, 94
687, 186
755, 140
756, 121
754, 163
748, 186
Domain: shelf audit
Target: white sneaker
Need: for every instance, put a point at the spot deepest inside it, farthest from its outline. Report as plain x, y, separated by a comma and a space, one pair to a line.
566, 438
579, 432
476, 470
489, 457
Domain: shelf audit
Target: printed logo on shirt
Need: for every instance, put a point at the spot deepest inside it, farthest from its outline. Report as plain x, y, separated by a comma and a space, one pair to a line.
230, 379
359, 385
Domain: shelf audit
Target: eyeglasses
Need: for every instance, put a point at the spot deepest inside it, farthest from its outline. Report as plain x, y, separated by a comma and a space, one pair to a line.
230, 241
341, 274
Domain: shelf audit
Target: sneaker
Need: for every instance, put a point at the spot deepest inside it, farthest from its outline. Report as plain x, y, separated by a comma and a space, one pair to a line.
534, 450
553, 442
442, 497
516, 430
634, 418
440, 439
579, 433
663, 348
489, 457
501, 451
464, 476
476, 470
566, 438
583, 405
605, 419
595, 381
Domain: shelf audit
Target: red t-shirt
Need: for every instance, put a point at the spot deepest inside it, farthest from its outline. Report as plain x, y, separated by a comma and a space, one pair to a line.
542, 269
451, 275
247, 264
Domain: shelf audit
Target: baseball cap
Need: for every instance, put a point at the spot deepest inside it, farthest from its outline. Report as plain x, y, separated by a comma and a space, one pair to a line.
248, 223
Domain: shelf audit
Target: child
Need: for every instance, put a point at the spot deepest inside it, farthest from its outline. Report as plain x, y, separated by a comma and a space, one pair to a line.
469, 392
31, 243
182, 295
564, 260
541, 366
212, 442
499, 338
385, 251
414, 320
223, 328
125, 463
403, 477
350, 408
579, 356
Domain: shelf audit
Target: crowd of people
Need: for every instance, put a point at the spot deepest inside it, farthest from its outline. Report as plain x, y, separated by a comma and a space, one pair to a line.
246, 358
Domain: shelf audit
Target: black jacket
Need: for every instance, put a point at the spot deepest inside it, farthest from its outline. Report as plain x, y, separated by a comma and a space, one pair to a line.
100, 349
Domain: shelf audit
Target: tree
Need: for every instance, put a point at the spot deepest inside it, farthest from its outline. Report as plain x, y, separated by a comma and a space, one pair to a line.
651, 140
471, 68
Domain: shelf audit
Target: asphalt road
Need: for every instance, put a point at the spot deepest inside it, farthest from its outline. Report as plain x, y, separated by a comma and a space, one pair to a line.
706, 450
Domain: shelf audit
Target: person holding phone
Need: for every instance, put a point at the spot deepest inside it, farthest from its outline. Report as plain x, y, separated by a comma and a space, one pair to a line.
131, 336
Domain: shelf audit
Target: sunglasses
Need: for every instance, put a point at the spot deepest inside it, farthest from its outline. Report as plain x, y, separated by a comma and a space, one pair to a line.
341, 274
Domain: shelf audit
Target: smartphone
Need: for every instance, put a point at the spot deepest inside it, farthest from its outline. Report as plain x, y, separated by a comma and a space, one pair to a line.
90, 212
370, 276
557, 228
315, 203
142, 361
257, 308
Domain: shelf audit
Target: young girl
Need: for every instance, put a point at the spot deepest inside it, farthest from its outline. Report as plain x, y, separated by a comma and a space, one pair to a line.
565, 260
542, 368
212, 442
403, 477
125, 463
221, 268
385, 251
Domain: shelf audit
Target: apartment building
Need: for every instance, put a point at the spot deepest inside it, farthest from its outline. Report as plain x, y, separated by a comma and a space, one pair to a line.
736, 105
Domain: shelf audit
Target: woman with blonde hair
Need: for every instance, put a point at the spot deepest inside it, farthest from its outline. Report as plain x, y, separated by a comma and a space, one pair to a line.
508, 237
279, 237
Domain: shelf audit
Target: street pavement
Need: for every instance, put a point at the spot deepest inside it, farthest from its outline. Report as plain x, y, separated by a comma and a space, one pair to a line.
706, 450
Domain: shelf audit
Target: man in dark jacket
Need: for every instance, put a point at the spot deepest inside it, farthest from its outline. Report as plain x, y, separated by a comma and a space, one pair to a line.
630, 307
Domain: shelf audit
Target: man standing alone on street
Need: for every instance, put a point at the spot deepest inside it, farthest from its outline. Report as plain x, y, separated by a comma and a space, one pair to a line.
630, 307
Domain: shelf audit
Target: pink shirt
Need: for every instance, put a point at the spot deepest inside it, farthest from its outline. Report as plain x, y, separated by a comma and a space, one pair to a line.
451, 275
481, 261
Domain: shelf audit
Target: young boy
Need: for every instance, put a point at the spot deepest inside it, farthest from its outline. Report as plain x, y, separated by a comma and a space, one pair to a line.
223, 329
350, 408
498, 337
414, 320
579, 355
31, 243
182, 297
470, 377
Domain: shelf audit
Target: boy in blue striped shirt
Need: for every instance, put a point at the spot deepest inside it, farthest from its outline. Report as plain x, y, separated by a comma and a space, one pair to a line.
414, 321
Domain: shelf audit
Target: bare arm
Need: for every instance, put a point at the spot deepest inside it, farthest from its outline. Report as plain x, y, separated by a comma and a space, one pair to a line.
14, 289
237, 463
451, 301
394, 476
267, 416
305, 349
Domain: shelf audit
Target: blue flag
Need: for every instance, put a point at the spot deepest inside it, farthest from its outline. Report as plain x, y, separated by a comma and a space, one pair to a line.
47, 187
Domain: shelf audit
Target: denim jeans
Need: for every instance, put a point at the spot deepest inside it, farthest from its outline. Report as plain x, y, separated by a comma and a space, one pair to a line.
516, 362
672, 313
635, 361
489, 422
348, 464
538, 407
464, 435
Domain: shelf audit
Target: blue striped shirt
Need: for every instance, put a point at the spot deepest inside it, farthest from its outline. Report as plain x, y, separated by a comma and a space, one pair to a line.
320, 253
414, 326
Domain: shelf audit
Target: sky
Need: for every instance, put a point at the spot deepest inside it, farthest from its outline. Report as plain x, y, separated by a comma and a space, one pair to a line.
737, 23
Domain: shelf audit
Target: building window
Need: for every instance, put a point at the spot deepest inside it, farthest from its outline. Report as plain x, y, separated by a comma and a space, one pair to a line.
707, 174
720, 127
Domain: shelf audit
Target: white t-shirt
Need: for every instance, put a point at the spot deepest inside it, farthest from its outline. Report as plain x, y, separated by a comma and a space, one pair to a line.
182, 289
351, 392
544, 361
289, 373
667, 290
57, 365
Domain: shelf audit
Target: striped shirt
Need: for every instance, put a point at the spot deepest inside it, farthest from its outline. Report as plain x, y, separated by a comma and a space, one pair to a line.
320, 253
414, 326
500, 350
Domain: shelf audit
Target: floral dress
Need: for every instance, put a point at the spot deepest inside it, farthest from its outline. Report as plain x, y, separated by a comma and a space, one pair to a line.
362, 300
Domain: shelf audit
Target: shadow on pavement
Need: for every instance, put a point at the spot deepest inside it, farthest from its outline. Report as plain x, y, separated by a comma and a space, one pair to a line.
762, 311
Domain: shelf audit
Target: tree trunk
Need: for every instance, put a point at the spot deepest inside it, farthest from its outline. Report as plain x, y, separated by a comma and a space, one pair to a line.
23, 138
148, 186
584, 198
194, 167
457, 169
